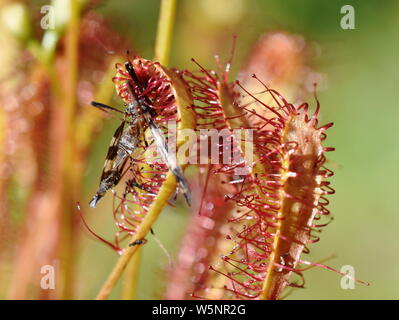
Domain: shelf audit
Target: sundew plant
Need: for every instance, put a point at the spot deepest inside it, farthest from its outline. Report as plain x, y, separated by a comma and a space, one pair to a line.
189, 159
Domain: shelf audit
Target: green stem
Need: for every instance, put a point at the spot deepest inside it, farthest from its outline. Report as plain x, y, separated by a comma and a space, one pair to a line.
131, 276
69, 166
165, 31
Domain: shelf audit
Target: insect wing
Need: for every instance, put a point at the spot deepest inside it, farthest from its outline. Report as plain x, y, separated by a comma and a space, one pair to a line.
112, 150
169, 160
109, 175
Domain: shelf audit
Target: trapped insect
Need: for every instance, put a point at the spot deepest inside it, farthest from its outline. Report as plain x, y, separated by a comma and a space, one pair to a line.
138, 116
125, 141
137, 242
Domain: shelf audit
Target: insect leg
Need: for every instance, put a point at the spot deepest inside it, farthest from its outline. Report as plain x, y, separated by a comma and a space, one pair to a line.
104, 107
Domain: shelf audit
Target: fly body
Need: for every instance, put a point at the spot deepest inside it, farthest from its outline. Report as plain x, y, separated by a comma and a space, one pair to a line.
138, 116
126, 140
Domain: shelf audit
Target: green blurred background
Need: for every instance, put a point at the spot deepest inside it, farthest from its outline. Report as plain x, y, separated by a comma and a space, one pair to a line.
360, 97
